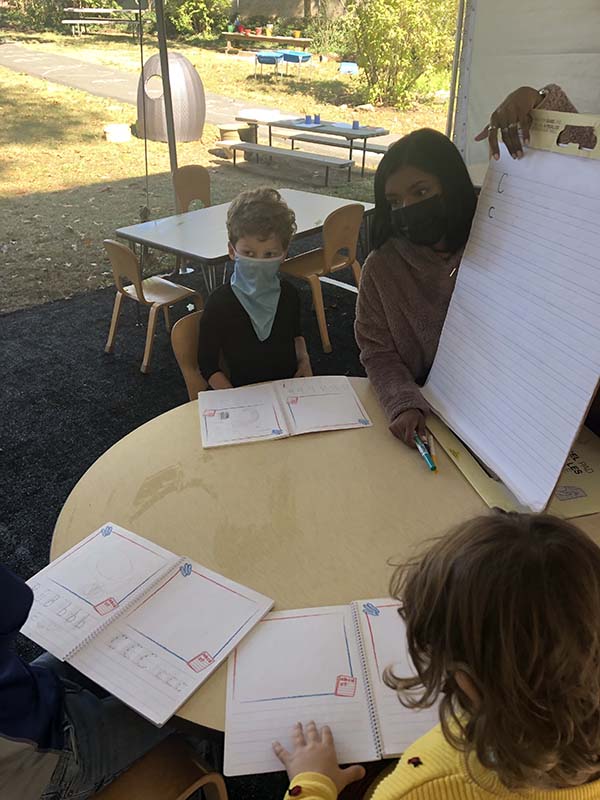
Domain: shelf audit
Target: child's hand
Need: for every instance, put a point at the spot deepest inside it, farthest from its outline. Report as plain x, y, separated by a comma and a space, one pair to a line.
304, 369
314, 751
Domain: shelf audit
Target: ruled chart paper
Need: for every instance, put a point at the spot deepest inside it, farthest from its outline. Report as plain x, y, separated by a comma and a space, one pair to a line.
519, 356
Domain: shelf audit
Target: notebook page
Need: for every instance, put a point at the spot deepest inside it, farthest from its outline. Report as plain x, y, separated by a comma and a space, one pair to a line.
156, 656
88, 585
236, 416
295, 666
384, 641
321, 404
518, 359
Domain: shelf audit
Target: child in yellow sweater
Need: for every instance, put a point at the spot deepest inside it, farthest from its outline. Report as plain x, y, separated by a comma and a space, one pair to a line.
503, 625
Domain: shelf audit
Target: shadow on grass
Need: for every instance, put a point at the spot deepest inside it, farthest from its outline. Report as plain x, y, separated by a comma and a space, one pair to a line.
38, 118
333, 91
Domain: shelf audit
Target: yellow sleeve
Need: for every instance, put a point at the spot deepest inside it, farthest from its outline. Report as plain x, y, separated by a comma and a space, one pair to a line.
430, 769
312, 786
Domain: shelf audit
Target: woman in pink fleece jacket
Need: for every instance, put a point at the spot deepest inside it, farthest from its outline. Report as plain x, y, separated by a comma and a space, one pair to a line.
424, 207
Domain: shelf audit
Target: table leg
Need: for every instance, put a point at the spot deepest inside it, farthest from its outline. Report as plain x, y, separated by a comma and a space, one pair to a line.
326, 176
351, 149
362, 171
270, 136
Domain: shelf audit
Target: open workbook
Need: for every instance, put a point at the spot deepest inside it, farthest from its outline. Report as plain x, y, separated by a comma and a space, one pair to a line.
143, 623
324, 664
518, 361
279, 409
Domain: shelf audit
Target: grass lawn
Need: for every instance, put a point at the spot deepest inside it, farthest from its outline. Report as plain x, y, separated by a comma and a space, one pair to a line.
320, 87
65, 189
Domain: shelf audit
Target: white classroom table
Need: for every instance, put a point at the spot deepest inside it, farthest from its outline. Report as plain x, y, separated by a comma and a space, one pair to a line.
309, 520
202, 235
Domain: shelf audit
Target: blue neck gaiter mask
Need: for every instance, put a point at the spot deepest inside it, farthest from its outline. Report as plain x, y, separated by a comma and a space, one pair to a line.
255, 283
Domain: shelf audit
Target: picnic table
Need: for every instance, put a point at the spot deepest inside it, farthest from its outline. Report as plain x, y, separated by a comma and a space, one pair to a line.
276, 40
82, 17
343, 129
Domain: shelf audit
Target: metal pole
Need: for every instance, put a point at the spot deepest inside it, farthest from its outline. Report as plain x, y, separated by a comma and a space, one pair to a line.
164, 68
455, 62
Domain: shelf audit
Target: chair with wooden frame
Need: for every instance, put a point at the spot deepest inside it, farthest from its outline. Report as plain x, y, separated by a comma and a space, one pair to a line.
168, 772
156, 293
184, 340
341, 230
190, 182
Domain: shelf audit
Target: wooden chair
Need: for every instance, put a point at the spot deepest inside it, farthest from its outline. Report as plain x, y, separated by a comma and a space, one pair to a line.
191, 182
340, 238
156, 293
168, 772
184, 340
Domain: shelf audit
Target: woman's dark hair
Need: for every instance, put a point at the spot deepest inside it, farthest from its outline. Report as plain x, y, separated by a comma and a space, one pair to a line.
434, 153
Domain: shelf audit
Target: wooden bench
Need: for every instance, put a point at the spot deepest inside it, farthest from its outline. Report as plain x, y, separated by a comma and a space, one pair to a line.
82, 17
332, 141
328, 162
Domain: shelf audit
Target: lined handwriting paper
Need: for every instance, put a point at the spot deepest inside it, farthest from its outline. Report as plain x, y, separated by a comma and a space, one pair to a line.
385, 645
88, 585
295, 666
323, 403
155, 656
519, 356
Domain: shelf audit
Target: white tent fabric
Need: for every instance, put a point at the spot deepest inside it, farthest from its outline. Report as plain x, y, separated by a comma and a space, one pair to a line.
523, 42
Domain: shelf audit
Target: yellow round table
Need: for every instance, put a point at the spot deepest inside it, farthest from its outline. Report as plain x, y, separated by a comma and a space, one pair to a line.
310, 520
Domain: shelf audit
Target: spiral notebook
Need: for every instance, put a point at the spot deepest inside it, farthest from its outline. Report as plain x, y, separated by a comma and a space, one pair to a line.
324, 664
279, 409
145, 624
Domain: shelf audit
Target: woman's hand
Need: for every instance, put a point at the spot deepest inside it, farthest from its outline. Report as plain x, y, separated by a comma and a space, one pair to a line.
513, 113
407, 424
314, 751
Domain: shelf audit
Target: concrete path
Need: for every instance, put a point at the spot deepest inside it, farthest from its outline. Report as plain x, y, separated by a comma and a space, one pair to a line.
122, 86
98, 80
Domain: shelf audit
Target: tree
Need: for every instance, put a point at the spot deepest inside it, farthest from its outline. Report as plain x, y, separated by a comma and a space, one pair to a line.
397, 41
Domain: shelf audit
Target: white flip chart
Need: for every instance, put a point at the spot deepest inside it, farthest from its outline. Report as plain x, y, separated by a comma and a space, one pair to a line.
519, 357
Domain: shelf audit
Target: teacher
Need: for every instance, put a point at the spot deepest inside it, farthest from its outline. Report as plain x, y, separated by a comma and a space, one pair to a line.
424, 206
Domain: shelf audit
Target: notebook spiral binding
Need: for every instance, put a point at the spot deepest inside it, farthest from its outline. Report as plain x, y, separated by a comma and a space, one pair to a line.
133, 600
373, 718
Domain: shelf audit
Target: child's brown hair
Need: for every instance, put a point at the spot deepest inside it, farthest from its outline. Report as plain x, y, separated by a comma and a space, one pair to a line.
513, 600
262, 213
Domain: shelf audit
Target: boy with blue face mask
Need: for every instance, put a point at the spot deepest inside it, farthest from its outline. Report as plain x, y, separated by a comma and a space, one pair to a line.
254, 322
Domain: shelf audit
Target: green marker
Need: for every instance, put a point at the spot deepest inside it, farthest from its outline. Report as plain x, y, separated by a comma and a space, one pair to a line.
422, 448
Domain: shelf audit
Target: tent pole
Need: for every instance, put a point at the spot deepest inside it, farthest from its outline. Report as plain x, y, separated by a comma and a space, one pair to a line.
455, 63
164, 68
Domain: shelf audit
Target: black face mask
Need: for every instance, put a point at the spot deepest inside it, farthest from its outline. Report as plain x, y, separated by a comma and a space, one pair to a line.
423, 223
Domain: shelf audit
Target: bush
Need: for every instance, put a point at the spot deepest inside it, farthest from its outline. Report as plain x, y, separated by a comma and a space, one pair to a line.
198, 16
330, 34
398, 41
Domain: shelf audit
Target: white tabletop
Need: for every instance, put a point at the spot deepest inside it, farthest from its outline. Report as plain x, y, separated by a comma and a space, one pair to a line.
202, 234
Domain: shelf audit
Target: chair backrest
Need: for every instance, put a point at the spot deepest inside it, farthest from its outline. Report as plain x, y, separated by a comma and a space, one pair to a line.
125, 264
184, 340
340, 233
191, 182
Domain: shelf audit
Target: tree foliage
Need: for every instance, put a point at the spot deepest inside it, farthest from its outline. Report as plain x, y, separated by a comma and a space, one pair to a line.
398, 41
198, 16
